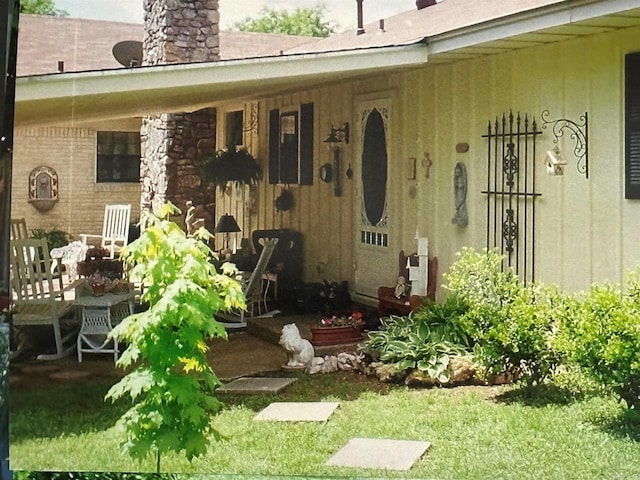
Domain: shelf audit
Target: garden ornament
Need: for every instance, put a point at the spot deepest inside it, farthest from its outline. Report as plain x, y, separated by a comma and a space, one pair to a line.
299, 350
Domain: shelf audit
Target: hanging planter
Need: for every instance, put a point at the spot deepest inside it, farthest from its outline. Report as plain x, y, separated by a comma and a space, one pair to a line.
231, 164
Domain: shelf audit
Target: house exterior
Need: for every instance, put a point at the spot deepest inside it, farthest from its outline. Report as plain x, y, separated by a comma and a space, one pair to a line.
454, 113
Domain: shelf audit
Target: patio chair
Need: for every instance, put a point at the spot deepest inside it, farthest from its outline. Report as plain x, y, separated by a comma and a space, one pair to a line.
19, 228
252, 290
115, 228
38, 295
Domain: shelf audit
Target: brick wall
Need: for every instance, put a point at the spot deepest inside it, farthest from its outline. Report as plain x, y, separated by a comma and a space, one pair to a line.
71, 152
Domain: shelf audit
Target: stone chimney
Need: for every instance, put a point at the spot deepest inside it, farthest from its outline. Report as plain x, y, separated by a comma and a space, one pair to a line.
173, 143
180, 31
424, 3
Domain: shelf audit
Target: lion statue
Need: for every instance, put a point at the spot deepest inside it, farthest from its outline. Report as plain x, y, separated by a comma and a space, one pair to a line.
300, 351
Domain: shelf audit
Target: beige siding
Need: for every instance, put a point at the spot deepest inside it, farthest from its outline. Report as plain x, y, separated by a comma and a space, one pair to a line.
585, 230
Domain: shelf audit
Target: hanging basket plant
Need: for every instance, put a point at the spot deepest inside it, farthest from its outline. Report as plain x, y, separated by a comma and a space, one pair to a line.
231, 164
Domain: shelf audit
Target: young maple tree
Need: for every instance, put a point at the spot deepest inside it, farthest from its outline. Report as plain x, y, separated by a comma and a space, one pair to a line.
171, 384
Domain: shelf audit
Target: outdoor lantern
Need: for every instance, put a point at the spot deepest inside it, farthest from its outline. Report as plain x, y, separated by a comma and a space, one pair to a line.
338, 135
227, 224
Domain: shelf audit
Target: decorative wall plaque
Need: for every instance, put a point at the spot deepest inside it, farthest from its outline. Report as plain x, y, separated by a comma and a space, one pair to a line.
43, 188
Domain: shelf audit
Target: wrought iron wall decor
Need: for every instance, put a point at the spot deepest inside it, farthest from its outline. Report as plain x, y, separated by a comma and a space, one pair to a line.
511, 191
579, 132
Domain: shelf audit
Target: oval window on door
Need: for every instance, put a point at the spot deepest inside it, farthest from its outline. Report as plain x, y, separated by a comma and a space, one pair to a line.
374, 167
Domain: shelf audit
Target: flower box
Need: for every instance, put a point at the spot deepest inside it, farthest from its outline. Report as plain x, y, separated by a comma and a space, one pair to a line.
321, 336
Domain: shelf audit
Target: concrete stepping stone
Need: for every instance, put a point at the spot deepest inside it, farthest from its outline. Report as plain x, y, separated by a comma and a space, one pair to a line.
298, 411
379, 453
256, 385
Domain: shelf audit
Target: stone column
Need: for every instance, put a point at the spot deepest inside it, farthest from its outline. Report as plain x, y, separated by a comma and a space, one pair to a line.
178, 31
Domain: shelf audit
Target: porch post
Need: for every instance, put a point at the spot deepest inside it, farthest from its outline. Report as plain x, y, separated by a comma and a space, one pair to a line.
9, 11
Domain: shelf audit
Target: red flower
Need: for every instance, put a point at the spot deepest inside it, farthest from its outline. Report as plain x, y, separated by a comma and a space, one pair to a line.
353, 320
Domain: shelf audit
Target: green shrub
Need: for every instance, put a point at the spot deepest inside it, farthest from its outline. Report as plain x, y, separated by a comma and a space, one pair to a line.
55, 238
425, 340
511, 324
601, 333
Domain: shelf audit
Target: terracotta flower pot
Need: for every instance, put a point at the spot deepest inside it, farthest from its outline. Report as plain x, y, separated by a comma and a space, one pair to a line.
321, 336
98, 290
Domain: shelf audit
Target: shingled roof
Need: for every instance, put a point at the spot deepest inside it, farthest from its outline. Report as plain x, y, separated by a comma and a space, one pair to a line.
84, 45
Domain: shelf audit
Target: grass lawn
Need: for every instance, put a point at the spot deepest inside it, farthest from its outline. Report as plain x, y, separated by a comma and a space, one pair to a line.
476, 432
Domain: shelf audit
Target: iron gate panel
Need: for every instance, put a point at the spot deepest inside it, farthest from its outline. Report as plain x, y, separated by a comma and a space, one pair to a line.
511, 191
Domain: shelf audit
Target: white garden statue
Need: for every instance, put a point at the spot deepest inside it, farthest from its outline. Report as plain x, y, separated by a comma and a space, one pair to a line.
299, 350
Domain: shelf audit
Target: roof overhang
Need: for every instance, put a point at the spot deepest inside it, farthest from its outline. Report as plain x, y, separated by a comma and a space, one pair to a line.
549, 24
75, 98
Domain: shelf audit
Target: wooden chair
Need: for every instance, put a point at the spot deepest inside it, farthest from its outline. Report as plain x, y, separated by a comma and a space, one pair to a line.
252, 290
115, 228
19, 229
38, 295
388, 304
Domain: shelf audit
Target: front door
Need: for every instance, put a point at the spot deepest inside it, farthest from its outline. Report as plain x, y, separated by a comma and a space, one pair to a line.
374, 266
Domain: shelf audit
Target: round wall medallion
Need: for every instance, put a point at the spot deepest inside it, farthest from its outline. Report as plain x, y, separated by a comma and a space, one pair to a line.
326, 172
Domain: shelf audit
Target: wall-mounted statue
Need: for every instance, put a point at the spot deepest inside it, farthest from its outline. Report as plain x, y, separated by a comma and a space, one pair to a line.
461, 218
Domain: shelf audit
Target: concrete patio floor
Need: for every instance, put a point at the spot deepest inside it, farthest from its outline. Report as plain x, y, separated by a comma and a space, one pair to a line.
245, 353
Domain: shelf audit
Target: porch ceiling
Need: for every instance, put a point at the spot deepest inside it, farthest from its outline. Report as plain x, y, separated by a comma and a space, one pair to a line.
123, 93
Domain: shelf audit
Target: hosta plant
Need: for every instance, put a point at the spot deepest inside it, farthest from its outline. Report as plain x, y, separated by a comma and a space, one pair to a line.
425, 340
170, 384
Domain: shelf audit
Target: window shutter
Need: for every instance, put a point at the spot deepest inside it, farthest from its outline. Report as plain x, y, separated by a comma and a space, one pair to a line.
632, 125
306, 144
274, 146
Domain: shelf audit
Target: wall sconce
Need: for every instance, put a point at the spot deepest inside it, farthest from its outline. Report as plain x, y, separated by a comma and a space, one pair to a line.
579, 132
554, 161
338, 135
333, 140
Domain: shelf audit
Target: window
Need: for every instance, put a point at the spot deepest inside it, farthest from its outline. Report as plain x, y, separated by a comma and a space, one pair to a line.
632, 125
118, 158
291, 146
234, 127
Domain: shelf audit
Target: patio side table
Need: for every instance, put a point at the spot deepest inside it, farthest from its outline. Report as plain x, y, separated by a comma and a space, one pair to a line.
99, 315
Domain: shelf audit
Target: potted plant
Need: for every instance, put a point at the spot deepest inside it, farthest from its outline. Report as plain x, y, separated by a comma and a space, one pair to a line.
98, 283
231, 164
97, 260
337, 329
